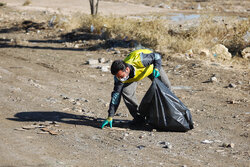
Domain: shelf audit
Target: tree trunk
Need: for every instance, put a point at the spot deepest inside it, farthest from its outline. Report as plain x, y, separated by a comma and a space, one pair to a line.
93, 6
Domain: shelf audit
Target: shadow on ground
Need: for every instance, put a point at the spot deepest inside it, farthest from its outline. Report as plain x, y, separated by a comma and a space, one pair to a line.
81, 34
62, 117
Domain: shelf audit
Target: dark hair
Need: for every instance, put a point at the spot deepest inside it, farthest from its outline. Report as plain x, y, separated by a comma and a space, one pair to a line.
118, 65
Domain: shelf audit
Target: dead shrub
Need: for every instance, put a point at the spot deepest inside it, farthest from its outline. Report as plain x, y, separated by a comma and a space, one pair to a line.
158, 34
27, 3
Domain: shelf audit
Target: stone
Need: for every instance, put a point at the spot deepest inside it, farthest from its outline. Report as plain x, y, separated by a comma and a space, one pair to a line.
166, 144
101, 60
213, 79
105, 68
246, 53
228, 145
205, 53
221, 52
141, 147
231, 85
92, 62
117, 52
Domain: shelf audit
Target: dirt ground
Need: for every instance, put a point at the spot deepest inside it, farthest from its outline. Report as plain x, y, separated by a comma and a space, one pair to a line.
52, 103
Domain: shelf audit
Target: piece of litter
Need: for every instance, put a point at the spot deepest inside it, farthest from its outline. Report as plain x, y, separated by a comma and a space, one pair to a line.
207, 142
141, 147
53, 132
29, 127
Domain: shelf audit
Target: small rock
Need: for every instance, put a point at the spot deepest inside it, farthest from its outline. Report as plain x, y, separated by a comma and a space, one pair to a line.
117, 52
101, 60
213, 79
205, 53
92, 62
239, 82
231, 85
105, 68
77, 103
245, 134
64, 97
126, 134
72, 100
228, 145
141, 147
166, 144
141, 136
246, 53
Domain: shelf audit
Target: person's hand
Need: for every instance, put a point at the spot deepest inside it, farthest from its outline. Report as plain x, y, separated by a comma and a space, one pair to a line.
109, 121
156, 73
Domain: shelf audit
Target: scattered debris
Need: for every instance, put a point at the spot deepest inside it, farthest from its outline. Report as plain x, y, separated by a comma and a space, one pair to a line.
213, 79
51, 22
231, 85
92, 62
166, 145
207, 142
101, 60
245, 134
141, 147
228, 145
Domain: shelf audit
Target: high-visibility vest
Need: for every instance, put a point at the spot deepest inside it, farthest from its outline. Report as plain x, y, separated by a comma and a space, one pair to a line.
134, 59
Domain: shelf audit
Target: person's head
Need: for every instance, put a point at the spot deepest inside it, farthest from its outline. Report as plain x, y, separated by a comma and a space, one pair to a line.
120, 69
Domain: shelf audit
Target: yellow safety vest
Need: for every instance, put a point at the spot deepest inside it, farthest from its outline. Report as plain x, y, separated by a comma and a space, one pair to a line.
134, 59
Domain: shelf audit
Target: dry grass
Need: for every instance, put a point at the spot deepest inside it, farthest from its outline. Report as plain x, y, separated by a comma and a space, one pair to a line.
2, 4
158, 34
27, 3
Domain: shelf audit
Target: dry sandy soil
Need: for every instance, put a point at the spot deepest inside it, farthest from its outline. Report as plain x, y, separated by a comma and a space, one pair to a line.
52, 103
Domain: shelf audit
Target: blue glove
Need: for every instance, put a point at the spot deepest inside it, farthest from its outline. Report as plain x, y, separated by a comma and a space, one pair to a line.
156, 73
109, 121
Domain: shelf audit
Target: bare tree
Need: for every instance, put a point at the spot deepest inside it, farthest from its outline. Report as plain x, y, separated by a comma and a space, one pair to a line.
93, 6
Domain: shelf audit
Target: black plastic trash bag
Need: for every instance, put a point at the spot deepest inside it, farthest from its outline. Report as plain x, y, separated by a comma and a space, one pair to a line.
163, 110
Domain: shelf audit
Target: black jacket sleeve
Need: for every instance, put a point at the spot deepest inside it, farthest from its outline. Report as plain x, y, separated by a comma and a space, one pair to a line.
115, 97
151, 58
